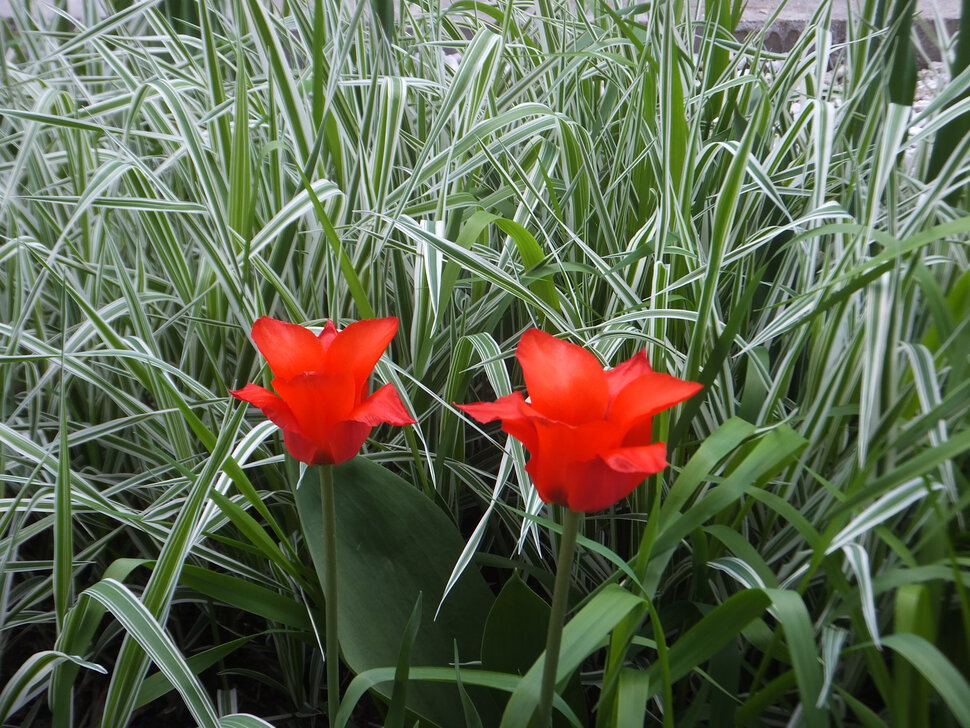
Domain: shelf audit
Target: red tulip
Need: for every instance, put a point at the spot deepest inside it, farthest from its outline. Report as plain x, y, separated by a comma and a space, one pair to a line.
321, 401
587, 429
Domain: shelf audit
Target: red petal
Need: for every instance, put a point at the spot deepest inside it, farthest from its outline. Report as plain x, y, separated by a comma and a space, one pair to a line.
613, 476
318, 402
639, 433
646, 460
565, 382
563, 453
328, 334
289, 349
323, 405
346, 439
356, 349
511, 406
299, 446
549, 489
272, 406
598, 486
648, 395
305, 450
383, 406
516, 415
623, 374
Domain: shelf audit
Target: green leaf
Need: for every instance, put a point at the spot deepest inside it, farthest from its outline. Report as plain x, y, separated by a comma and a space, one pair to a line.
789, 609
715, 447
515, 633
157, 685
495, 680
771, 453
528, 247
243, 720
247, 597
515, 637
912, 615
399, 696
631, 697
392, 545
31, 678
706, 637
945, 679
581, 636
133, 657
157, 645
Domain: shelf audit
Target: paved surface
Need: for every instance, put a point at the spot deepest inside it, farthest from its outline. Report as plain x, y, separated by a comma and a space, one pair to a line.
805, 9
786, 25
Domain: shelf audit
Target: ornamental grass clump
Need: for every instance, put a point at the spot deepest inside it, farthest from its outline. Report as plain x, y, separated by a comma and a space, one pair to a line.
624, 180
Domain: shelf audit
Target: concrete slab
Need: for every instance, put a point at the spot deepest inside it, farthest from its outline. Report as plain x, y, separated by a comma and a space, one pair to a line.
786, 21
804, 9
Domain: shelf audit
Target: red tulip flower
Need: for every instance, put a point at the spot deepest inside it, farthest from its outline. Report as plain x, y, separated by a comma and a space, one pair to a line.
587, 429
321, 401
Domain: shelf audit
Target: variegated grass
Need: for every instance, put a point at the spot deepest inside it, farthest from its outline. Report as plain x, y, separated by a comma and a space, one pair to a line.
655, 185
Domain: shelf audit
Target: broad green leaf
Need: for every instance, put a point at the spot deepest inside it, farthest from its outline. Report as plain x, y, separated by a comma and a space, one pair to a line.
515, 633
394, 542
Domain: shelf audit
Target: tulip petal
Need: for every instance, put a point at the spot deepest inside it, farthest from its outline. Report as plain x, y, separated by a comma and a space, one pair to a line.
383, 406
278, 412
645, 460
318, 401
357, 348
626, 372
275, 409
648, 395
550, 489
516, 415
639, 432
305, 450
611, 477
562, 454
598, 486
565, 382
511, 406
346, 438
288, 348
328, 334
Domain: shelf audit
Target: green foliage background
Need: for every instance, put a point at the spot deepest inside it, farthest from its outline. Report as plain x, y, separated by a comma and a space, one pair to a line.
783, 228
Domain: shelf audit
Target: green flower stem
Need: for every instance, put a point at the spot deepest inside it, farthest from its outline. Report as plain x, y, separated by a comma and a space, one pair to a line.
560, 596
332, 646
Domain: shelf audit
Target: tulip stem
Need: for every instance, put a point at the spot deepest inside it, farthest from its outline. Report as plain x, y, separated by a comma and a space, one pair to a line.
332, 646
557, 615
